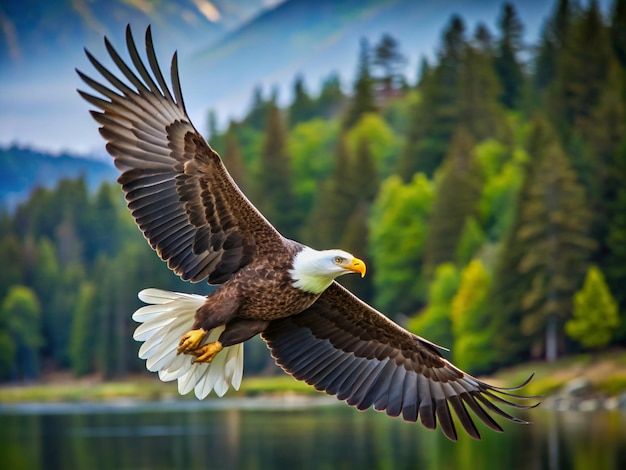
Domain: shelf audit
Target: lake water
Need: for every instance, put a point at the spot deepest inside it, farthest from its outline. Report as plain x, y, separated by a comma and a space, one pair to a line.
259, 434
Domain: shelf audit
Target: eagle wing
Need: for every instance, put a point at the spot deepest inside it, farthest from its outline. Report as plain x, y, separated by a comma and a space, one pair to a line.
177, 189
344, 347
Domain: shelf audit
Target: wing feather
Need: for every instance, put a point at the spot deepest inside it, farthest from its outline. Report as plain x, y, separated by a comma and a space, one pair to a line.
176, 187
346, 348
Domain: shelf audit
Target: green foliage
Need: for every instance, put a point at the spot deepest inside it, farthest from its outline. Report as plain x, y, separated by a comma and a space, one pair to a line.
457, 196
390, 61
434, 322
274, 184
311, 145
363, 98
83, 335
302, 106
382, 142
20, 317
595, 312
470, 324
398, 233
472, 239
535, 207
507, 62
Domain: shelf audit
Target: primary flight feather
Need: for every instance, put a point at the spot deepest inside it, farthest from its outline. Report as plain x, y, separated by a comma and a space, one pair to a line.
197, 220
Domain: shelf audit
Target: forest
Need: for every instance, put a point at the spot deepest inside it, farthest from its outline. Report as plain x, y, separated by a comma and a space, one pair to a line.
488, 197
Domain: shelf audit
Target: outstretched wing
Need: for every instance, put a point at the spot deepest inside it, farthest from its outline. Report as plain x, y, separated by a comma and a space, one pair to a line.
344, 347
177, 189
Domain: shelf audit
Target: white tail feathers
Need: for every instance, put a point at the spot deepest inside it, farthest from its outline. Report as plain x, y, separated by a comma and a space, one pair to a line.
170, 316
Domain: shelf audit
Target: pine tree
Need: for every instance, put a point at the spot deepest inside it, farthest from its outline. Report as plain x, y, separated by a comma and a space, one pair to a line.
618, 30
363, 100
82, 336
390, 61
479, 91
233, 158
333, 204
616, 238
302, 106
582, 68
544, 258
457, 195
554, 38
256, 117
595, 312
331, 97
507, 61
434, 118
274, 185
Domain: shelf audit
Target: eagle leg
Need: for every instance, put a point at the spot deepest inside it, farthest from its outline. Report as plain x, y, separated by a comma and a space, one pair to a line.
207, 352
191, 340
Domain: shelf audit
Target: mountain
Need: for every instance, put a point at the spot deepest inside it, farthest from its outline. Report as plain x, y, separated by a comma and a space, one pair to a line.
317, 37
34, 29
23, 169
41, 42
246, 43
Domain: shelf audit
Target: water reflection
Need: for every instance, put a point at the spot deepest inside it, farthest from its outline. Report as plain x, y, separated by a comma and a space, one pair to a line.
322, 438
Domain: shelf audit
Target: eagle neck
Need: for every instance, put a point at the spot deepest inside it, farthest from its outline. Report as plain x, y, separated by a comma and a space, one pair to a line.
306, 275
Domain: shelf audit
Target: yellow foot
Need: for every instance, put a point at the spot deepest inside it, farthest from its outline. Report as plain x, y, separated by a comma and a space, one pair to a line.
207, 352
190, 341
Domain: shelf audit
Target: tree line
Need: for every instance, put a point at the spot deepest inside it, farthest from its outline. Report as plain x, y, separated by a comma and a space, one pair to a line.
488, 197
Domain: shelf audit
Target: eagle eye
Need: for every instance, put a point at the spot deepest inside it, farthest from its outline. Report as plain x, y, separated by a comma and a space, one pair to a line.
339, 259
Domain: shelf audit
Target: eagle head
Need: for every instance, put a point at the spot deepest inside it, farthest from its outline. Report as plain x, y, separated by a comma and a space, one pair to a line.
313, 271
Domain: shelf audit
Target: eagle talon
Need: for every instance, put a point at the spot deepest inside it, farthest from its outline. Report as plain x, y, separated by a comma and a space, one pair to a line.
190, 341
207, 352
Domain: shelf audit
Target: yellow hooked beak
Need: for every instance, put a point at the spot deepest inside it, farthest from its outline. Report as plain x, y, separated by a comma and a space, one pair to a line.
357, 266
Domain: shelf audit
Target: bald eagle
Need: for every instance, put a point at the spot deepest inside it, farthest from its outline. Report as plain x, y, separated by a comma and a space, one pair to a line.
198, 221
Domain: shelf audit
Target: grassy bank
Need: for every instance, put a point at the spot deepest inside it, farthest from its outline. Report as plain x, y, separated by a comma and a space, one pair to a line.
606, 372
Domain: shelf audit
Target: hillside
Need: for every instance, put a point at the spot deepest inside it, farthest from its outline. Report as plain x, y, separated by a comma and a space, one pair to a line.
319, 37
23, 169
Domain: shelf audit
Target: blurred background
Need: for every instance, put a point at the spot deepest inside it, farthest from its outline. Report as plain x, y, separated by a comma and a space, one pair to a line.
472, 152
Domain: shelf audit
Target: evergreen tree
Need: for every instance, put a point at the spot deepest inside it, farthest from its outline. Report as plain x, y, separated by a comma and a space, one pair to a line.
456, 199
302, 106
83, 335
233, 159
334, 203
479, 91
582, 67
433, 119
256, 117
20, 316
595, 312
553, 40
544, 258
483, 40
390, 61
618, 30
363, 100
331, 97
616, 239
507, 61
274, 185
